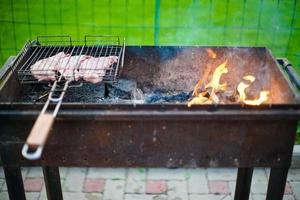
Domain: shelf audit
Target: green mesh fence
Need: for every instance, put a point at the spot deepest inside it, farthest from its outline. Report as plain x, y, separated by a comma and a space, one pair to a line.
271, 23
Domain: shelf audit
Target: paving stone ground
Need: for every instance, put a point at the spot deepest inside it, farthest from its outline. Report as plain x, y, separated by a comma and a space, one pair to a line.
150, 184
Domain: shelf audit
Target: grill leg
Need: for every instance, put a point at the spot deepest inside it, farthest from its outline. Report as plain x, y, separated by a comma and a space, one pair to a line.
14, 182
277, 183
243, 183
52, 183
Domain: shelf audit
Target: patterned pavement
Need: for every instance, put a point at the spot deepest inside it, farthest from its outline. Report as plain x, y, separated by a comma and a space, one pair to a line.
149, 184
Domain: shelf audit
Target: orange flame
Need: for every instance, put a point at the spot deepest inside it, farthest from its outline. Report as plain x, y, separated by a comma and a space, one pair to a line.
214, 87
201, 81
263, 95
211, 53
215, 81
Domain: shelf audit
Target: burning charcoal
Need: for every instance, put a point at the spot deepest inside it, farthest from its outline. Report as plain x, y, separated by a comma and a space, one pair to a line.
88, 92
154, 97
33, 93
159, 96
197, 100
230, 95
215, 99
123, 89
138, 95
180, 97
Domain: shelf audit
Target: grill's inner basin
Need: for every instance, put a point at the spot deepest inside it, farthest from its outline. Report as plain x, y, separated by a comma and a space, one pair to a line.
170, 74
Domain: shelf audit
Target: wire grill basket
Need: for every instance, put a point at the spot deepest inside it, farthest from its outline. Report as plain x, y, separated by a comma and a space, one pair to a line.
104, 59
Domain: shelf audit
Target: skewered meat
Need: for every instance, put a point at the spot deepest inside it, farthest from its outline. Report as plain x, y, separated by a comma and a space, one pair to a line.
93, 69
45, 69
69, 66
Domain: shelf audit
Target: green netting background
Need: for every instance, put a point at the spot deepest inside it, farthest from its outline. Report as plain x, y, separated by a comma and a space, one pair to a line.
271, 23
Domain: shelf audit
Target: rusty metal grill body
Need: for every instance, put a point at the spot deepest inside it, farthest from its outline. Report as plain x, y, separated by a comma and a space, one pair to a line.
159, 135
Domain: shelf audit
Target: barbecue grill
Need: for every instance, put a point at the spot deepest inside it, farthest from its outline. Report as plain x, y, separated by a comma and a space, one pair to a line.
46, 46
163, 134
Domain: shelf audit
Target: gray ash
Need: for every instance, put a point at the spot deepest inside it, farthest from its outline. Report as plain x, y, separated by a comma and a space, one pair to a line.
160, 96
88, 92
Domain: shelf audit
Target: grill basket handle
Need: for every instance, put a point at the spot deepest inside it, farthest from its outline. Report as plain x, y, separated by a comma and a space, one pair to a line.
38, 136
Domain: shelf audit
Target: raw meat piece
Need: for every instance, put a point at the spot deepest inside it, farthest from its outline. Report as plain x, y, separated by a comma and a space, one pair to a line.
93, 69
73, 68
69, 66
45, 69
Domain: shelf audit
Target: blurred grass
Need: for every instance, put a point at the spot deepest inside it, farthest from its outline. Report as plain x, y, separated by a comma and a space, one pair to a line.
270, 23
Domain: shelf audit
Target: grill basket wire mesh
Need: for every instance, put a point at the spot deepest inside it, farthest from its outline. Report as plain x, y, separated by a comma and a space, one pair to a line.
46, 46
274, 24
